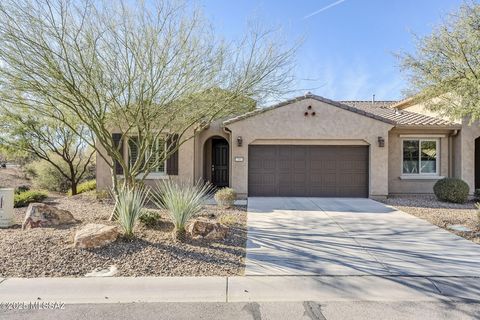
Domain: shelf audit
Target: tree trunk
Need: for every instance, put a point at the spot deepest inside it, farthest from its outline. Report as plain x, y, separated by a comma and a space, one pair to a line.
73, 186
113, 215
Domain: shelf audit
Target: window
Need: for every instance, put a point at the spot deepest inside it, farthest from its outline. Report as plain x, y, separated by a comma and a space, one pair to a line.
153, 154
420, 157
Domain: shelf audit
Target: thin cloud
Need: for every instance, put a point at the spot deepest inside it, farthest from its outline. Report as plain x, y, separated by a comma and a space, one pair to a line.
336, 3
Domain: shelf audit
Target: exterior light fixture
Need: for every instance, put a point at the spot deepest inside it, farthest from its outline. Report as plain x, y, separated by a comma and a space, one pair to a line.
381, 142
239, 141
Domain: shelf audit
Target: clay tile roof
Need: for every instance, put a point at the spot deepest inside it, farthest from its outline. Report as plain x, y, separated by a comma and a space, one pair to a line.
379, 110
386, 110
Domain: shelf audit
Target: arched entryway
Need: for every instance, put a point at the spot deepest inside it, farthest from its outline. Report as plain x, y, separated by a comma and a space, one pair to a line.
216, 162
477, 163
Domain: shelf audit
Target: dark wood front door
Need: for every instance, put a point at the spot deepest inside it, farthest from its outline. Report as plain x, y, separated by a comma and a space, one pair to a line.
220, 162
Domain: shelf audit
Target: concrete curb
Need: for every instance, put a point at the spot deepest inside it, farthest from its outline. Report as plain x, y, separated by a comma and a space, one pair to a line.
115, 289
238, 289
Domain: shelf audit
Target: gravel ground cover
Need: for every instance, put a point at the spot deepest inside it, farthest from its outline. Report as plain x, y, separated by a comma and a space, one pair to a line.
442, 214
48, 252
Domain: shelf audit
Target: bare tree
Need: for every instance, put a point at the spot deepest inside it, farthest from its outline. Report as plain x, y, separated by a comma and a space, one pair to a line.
145, 70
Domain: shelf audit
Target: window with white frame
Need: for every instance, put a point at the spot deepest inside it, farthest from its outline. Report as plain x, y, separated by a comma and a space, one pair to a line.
153, 154
420, 156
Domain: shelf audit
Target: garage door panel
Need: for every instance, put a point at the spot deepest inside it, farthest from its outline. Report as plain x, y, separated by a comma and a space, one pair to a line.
320, 171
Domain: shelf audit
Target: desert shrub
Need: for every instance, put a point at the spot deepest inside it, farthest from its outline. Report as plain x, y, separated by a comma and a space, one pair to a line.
102, 195
451, 190
46, 176
86, 186
130, 207
225, 197
21, 189
150, 218
228, 219
183, 200
23, 199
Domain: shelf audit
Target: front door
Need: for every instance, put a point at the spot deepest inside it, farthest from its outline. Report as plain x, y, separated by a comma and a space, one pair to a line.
220, 162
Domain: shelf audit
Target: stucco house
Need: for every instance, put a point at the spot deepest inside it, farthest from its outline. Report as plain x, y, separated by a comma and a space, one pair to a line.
313, 146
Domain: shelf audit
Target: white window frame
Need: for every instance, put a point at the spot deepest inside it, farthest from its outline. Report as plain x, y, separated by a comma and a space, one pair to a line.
152, 175
421, 175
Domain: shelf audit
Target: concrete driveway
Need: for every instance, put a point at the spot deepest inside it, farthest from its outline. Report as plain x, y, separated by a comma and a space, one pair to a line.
338, 236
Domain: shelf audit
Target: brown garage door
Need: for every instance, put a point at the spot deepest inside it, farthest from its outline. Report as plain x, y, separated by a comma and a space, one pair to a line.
307, 171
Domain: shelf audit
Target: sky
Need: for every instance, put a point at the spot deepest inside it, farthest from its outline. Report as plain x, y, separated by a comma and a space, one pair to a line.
348, 46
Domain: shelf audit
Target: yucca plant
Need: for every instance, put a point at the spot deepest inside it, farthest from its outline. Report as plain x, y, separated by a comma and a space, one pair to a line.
130, 207
183, 200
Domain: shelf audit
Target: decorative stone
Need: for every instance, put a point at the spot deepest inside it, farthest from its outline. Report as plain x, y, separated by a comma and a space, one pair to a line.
110, 272
40, 215
95, 235
459, 227
207, 230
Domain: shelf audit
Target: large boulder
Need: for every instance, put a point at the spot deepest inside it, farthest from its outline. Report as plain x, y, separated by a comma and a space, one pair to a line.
95, 235
207, 229
40, 215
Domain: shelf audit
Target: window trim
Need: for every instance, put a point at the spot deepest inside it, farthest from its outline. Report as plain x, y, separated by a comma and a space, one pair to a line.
152, 175
421, 175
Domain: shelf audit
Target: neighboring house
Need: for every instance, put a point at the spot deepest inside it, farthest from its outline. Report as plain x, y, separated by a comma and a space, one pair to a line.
312, 146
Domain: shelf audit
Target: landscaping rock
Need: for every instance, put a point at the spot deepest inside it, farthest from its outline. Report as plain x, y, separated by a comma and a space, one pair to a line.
110, 272
207, 230
40, 215
95, 235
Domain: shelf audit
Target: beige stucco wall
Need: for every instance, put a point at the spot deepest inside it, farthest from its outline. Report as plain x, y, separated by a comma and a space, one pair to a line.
397, 185
103, 171
288, 123
466, 145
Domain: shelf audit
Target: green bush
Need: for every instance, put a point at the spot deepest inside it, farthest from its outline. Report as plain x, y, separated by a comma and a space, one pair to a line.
451, 190
25, 198
183, 200
225, 197
86, 186
150, 218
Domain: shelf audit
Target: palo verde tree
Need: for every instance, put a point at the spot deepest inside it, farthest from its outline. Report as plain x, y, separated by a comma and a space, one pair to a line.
150, 70
49, 140
444, 72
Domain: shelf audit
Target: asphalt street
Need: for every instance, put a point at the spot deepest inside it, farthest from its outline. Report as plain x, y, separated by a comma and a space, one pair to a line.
264, 310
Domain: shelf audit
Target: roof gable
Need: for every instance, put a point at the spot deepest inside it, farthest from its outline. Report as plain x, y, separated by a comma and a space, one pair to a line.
378, 110
314, 97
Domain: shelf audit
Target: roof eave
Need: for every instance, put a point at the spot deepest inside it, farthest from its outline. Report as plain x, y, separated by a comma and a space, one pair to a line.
429, 126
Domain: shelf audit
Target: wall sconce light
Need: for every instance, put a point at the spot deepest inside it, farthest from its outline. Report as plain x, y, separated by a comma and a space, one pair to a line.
381, 142
239, 141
